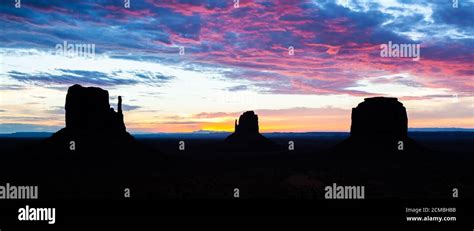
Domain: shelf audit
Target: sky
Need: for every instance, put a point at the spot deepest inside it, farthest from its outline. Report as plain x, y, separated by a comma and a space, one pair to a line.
184, 66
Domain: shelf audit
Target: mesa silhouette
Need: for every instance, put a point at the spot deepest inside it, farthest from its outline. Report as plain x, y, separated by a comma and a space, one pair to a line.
246, 136
378, 124
92, 126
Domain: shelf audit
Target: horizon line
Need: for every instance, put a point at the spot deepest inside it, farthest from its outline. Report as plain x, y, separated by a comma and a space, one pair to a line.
440, 129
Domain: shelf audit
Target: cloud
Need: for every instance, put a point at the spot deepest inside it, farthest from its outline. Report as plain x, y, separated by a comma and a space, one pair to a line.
214, 115
17, 127
70, 77
238, 88
127, 107
56, 72
58, 110
28, 118
11, 87
336, 43
452, 110
152, 76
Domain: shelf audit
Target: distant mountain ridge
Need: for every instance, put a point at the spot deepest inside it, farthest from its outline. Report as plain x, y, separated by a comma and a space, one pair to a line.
209, 132
440, 129
27, 134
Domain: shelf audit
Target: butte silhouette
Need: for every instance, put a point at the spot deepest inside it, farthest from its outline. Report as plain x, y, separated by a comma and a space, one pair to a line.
379, 124
247, 137
92, 126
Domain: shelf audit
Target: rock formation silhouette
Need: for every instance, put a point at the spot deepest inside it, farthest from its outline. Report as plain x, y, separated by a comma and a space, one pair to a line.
92, 126
247, 136
248, 123
94, 151
379, 124
89, 109
379, 116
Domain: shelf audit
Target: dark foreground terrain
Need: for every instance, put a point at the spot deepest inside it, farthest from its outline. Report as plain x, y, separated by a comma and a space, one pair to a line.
205, 170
